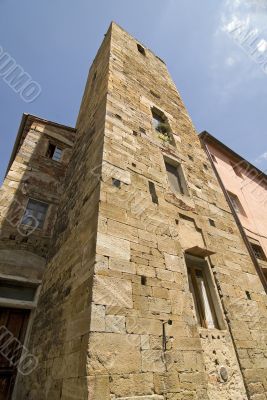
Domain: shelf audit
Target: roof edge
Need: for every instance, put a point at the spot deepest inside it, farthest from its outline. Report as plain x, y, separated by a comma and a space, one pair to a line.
206, 137
24, 119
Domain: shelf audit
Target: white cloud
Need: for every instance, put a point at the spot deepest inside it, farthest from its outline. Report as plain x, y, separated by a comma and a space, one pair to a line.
262, 46
230, 61
261, 158
233, 64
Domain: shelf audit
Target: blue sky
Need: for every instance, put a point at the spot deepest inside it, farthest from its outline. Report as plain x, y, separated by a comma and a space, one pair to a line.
223, 87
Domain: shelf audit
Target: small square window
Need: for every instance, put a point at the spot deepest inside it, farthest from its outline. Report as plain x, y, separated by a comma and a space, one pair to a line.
54, 152
35, 214
202, 292
175, 177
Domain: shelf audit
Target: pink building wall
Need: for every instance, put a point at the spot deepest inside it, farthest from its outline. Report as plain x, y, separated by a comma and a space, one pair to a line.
250, 186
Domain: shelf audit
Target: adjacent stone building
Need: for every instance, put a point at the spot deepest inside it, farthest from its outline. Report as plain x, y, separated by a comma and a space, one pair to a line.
149, 292
29, 199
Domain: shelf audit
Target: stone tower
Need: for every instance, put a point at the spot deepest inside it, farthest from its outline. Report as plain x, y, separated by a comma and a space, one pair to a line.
149, 293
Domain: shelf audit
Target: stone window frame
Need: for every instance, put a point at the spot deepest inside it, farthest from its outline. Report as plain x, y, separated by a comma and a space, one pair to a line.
43, 227
202, 264
160, 117
236, 203
19, 303
182, 176
257, 249
57, 147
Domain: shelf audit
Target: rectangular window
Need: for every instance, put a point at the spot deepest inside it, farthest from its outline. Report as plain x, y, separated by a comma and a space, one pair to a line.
54, 152
35, 214
175, 177
236, 203
17, 291
258, 251
162, 126
198, 276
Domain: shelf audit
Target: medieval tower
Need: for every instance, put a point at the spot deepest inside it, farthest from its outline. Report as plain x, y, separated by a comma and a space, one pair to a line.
149, 292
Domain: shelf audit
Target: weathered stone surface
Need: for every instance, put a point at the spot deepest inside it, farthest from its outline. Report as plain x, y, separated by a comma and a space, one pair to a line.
117, 353
108, 245
149, 397
112, 291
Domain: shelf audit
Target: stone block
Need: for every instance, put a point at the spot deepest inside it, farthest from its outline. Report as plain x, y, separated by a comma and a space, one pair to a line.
115, 323
114, 352
112, 292
108, 245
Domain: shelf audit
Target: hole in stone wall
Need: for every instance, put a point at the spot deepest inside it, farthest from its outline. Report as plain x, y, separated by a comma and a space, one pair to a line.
118, 116
143, 280
12, 237
135, 133
141, 49
116, 183
248, 295
133, 165
190, 157
212, 223
177, 221
205, 166
155, 94
152, 191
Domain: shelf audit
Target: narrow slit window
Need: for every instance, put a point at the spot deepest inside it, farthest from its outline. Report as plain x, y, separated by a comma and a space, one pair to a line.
35, 214
201, 292
153, 193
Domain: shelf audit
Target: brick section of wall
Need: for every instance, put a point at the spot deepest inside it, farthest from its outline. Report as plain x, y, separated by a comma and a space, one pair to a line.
33, 175
117, 269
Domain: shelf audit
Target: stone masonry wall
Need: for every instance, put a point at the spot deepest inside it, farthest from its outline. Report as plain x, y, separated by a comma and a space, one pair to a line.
141, 278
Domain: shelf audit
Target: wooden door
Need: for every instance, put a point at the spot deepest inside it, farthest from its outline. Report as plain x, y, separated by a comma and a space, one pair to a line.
13, 323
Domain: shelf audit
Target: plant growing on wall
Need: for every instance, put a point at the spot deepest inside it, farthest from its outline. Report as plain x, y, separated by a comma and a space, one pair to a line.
162, 126
164, 131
